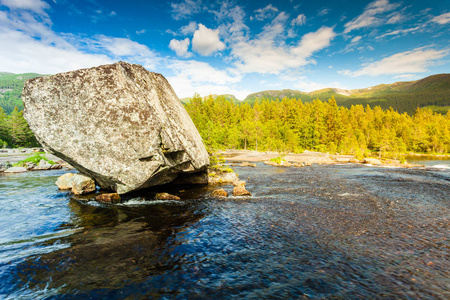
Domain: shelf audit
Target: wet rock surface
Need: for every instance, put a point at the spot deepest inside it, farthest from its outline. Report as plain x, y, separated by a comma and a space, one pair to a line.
110, 198
119, 124
16, 170
77, 183
219, 193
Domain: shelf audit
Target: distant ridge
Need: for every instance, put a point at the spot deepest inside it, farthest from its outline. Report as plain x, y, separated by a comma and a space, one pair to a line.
405, 96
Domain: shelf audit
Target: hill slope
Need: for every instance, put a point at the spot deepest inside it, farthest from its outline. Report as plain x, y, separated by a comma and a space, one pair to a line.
406, 96
11, 86
432, 92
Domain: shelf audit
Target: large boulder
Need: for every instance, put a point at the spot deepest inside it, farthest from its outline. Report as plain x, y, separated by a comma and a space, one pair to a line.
119, 124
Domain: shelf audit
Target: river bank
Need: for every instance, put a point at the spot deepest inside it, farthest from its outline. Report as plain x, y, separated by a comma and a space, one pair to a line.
306, 158
14, 155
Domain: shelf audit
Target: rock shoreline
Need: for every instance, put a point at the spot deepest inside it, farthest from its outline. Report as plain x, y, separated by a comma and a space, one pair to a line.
307, 158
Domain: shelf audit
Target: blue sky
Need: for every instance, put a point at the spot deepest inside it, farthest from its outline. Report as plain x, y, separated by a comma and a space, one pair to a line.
235, 47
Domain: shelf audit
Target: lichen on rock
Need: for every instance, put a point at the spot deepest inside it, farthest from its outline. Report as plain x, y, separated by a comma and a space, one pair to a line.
118, 124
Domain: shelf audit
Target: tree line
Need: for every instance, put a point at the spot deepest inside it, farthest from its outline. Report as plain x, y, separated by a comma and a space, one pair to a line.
289, 125
14, 130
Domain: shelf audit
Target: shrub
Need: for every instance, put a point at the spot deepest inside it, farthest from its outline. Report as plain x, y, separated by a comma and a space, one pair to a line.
35, 158
277, 160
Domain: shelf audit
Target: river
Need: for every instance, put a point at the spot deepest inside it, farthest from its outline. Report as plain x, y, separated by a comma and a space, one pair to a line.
331, 231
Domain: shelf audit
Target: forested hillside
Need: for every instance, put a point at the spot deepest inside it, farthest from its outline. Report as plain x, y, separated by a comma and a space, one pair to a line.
431, 92
11, 86
14, 130
293, 126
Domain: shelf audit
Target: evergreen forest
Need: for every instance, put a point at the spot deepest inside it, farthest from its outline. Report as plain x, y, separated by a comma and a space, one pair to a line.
289, 125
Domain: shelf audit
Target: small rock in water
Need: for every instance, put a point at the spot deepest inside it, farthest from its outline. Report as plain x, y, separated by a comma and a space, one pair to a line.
82, 184
30, 166
240, 191
64, 181
166, 196
16, 170
219, 193
222, 178
110, 198
372, 161
4, 166
239, 183
43, 165
247, 164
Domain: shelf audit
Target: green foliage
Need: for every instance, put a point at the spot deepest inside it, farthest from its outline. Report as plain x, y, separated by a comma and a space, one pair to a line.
289, 125
278, 160
35, 158
11, 86
431, 92
216, 164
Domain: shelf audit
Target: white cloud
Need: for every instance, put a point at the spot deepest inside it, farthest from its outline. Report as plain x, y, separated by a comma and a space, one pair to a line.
264, 13
189, 29
323, 12
395, 18
34, 47
26, 54
373, 15
123, 48
442, 19
300, 20
37, 6
185, 9
194, 76
142, 31
399, 32
356, 39
414, 61
181, 47
264, 55
206, 41
201, 72
407, 76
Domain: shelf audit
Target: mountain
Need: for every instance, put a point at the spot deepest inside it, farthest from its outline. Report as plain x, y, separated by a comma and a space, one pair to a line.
11, 86
431, 92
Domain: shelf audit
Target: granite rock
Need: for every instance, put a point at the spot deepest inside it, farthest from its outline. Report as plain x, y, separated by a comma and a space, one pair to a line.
119, 124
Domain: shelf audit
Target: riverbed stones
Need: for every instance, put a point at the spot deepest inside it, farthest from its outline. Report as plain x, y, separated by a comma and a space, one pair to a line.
77, 183
219, 178
239, 183
372, 161
219, 193
166, 196
119, 124
240, 191
64, 181
43, 165
5, 166
16, 170
110, 198
82, 184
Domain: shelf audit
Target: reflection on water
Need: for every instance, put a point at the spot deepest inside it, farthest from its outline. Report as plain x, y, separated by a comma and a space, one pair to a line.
316, 232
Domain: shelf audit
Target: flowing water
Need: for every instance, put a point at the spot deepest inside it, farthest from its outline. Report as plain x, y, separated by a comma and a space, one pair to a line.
338, 231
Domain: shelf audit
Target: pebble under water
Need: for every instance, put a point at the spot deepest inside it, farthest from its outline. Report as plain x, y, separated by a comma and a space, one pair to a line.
335, 232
